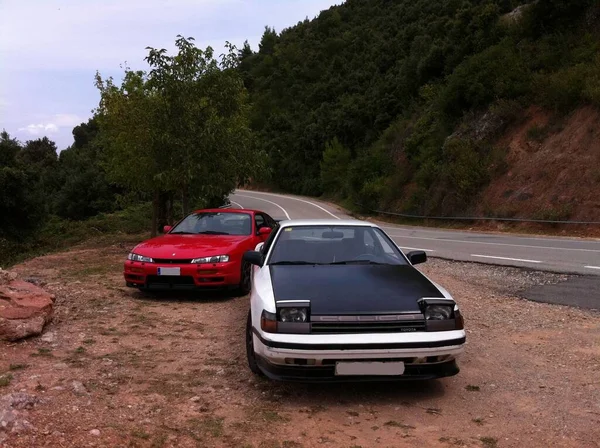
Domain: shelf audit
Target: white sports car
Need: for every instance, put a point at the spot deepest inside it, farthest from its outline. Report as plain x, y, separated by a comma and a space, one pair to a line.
338, 300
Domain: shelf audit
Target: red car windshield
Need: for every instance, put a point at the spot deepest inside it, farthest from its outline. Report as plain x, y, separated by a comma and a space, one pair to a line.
214, 223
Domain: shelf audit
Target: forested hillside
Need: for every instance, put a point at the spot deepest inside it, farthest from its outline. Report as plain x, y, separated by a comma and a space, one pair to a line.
402, 104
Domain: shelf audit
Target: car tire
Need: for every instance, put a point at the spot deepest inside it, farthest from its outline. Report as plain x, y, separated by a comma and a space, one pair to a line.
250, 354
245, 279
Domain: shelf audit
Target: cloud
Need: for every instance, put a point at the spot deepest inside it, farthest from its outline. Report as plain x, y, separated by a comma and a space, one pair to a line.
38, 129
53, 125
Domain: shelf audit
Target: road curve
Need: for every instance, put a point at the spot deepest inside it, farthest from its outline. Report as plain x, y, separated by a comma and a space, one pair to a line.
566, 255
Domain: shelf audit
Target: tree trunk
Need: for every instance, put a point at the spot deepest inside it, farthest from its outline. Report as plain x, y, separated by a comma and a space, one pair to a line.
155, 207
170, 208
162, 210
185, 200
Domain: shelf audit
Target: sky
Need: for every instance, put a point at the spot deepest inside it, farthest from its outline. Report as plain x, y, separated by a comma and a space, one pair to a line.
50, 50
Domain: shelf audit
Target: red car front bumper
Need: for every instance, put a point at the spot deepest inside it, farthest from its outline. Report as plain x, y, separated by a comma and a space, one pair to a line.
191, 276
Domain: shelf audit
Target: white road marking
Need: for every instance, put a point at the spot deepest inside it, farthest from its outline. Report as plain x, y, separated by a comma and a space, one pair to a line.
592, 267
239, 205
265, 200
295, 199
505, 258
416, 248
520, 236
443, 240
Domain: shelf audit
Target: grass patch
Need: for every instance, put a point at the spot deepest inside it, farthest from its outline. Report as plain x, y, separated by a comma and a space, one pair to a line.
200, 428
538, 133
478, 421
80, 350
395, 424
5, 379
89, 341
472, 388
18, 366
44, 352
274, 416
159, 441
140, 434
489, 442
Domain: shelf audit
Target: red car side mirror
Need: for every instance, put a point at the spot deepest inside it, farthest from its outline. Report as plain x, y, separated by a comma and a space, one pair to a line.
167, 229
264, 231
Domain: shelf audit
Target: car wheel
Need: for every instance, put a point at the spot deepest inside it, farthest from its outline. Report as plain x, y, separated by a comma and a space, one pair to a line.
250, 354
245, 279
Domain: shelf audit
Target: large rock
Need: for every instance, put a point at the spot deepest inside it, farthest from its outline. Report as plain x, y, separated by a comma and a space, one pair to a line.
24, 308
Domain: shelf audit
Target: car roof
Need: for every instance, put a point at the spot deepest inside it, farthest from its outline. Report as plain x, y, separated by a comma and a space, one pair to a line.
227, 210
326, 222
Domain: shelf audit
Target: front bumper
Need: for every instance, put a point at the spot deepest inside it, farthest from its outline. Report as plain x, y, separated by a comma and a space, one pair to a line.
425, 355
192, 276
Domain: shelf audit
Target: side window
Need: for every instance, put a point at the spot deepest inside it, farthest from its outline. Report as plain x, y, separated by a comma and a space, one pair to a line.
270, 221
260, 221
269, 240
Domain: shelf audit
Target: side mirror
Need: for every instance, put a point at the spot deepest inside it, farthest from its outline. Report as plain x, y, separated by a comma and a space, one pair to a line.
259, 247
253, 257
417, 257
167, 229
264, 231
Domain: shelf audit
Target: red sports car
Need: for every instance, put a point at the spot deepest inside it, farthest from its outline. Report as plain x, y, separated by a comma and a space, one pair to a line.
202, 250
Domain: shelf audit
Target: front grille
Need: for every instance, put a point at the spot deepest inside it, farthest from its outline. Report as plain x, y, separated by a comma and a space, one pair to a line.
173, 261
403, 323
341, 328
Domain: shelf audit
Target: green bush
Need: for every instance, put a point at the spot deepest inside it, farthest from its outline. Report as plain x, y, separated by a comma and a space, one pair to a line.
57, 233
334, 168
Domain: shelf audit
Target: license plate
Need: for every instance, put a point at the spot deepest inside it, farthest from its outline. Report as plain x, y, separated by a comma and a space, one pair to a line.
169, 271
369, 368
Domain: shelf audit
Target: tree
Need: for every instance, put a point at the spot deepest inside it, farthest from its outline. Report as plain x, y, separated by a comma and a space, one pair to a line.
180, 128
21, 205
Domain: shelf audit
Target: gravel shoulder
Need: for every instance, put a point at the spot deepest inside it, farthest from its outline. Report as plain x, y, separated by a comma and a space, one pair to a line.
116, 368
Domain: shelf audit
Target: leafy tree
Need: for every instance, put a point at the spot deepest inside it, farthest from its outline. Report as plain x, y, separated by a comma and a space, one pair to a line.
21, 204
180, 128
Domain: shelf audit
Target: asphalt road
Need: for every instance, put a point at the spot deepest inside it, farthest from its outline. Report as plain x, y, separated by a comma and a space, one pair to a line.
566, 255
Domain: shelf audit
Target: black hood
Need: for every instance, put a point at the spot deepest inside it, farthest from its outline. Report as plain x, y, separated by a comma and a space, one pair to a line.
353, 289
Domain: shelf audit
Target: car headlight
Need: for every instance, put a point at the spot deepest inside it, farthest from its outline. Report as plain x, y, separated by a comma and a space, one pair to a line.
135, 257
438, 312
297, 315
214, 259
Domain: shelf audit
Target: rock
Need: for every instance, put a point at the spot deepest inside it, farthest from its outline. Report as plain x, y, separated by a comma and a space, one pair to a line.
95, 432
195, 399
78, 388
21, 426
12, 409
49, 337
24, 308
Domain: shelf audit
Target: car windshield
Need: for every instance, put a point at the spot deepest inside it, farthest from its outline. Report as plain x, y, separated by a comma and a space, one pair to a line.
334, 245
214, 223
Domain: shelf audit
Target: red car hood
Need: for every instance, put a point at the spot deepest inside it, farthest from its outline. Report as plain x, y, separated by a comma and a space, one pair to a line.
188, 246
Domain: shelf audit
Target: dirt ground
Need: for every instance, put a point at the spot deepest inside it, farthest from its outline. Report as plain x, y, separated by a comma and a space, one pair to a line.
117, 369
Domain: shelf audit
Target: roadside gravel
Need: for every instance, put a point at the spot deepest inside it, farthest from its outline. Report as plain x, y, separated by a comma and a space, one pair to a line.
119, 369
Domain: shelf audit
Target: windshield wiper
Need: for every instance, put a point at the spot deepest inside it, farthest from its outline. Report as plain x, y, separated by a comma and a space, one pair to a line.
212, 232
181, 233
292, 263
356, 262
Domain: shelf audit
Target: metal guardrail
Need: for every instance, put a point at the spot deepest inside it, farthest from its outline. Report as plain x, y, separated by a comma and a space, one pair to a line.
479, 218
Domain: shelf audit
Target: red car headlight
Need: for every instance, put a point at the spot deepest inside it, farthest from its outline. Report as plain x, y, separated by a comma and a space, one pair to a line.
135, 257
214, 259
